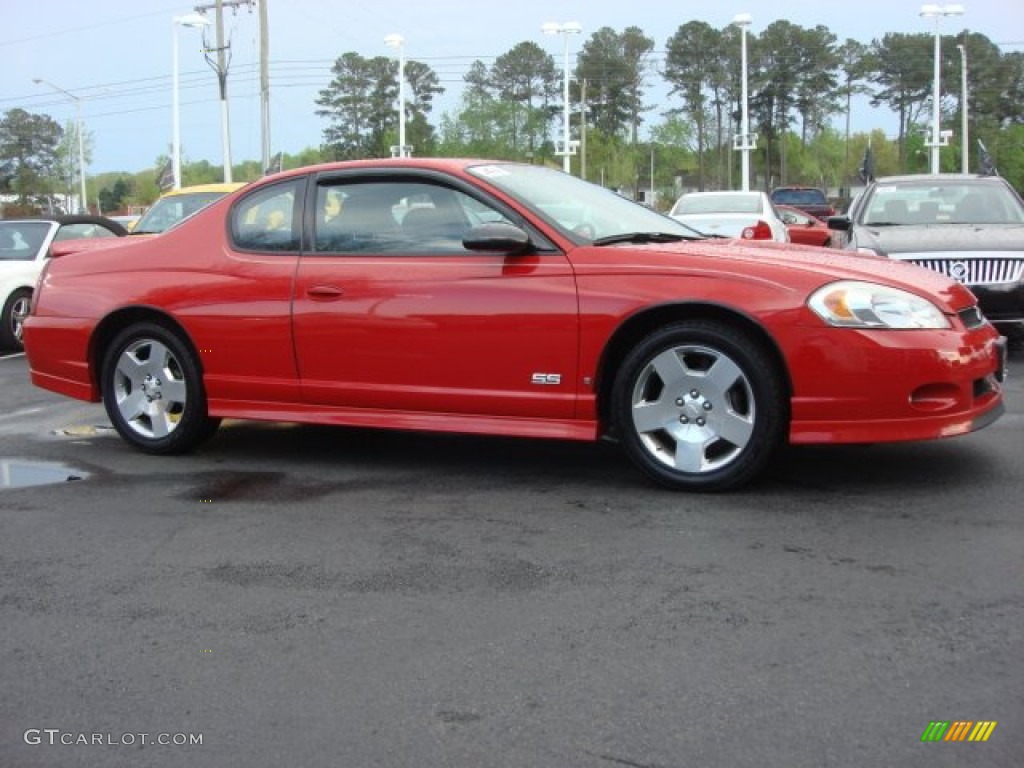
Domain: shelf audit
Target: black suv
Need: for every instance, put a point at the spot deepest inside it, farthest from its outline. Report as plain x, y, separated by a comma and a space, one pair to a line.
969, 228
810, 200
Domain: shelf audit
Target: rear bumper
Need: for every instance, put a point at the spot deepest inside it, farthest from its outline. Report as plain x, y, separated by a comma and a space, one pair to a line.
58, 353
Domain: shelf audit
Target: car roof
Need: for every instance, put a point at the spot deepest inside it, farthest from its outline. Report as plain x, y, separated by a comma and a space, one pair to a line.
928, 178
392, 163
223, 186
726, 192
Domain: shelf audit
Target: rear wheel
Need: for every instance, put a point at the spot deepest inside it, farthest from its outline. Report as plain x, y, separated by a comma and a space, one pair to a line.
12, 322
700, 406
153, 391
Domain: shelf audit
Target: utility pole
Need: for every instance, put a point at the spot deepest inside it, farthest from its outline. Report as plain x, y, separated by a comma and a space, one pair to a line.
583, 129
264, 85
221, 68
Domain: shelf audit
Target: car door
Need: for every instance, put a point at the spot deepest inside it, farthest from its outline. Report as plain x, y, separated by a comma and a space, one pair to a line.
392, 312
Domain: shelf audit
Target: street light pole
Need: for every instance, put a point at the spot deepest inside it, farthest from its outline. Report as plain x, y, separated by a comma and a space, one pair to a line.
78, 130
565, 28
397, 41
743, 21
937, 12
964, 153
653, 206
191, 20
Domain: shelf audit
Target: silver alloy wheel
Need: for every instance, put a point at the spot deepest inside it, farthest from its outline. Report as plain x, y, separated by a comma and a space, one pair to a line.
19, 311
693, 409
150, 388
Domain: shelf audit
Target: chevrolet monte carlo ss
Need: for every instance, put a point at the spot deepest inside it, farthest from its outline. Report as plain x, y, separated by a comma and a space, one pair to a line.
504, 299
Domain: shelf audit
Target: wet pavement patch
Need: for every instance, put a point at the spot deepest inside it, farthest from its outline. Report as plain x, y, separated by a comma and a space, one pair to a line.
22, 473
268, 487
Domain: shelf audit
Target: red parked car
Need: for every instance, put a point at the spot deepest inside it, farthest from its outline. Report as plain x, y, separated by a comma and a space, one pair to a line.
804, 228
507, 299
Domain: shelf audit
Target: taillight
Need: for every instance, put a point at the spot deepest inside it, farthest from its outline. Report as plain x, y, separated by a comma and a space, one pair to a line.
760, 231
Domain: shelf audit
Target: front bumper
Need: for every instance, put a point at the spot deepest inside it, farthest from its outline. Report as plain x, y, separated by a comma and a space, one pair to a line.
890, 386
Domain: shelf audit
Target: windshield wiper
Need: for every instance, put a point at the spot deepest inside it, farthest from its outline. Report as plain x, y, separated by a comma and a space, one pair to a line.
644, 237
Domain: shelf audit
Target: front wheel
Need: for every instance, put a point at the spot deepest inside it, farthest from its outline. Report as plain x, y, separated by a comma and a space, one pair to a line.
12, 323
153, 391
700, 406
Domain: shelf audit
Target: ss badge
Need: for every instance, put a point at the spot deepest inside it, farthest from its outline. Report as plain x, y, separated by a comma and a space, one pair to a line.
546, 379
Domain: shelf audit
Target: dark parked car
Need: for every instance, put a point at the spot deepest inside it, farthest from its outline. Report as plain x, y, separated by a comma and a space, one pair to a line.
970, 228
808, 199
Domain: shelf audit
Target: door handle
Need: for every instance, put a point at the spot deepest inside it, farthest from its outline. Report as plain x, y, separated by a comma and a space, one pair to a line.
324, 292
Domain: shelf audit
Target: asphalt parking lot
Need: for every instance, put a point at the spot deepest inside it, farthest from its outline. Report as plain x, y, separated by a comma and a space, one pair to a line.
326, 597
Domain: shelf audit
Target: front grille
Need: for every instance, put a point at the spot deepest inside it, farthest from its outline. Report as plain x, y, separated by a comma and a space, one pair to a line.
976, 271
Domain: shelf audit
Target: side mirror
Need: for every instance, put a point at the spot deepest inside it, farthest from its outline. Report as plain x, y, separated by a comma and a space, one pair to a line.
497, 236
839, 223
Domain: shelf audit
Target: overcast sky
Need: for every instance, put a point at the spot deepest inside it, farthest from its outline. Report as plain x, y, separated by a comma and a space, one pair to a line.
116, 56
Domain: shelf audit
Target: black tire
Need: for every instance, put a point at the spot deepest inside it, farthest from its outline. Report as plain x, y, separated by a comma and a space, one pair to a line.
700, 406
12, 319
153, 391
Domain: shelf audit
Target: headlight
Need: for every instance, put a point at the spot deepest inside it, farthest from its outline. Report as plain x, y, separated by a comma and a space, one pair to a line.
852, 304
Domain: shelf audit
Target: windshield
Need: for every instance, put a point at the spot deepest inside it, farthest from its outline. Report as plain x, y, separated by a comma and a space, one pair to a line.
169, 210
946, 201
582, 211
21, 240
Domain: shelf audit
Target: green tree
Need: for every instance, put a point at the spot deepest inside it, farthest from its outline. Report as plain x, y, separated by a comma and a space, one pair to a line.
901, 67
360, 103
525, 77
357, 102
615, 67
854, 66
28, 153
114, 197
817, 90
694, 51
424, 85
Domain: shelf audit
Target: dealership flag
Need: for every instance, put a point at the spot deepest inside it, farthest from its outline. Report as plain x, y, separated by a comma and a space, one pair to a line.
276, 164
867, 166
165, 179
986, 166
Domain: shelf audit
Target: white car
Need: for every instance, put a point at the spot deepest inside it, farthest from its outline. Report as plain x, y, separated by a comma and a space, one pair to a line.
24, 247
746, 215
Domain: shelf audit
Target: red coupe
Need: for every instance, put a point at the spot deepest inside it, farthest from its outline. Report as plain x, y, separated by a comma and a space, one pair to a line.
803, 228
507, 299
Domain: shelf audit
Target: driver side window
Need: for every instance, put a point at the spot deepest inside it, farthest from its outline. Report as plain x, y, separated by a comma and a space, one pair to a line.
396, 217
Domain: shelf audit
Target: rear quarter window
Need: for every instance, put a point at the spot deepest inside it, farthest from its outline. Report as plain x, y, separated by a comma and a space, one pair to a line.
799, 197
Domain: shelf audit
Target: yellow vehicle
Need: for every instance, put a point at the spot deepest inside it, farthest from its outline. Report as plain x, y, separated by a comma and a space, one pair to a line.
179, 204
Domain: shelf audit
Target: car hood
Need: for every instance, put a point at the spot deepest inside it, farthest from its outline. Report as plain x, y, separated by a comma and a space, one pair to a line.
787, 267
941, 237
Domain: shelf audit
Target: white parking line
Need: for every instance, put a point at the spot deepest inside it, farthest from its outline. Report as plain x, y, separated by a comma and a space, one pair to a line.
19, 414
